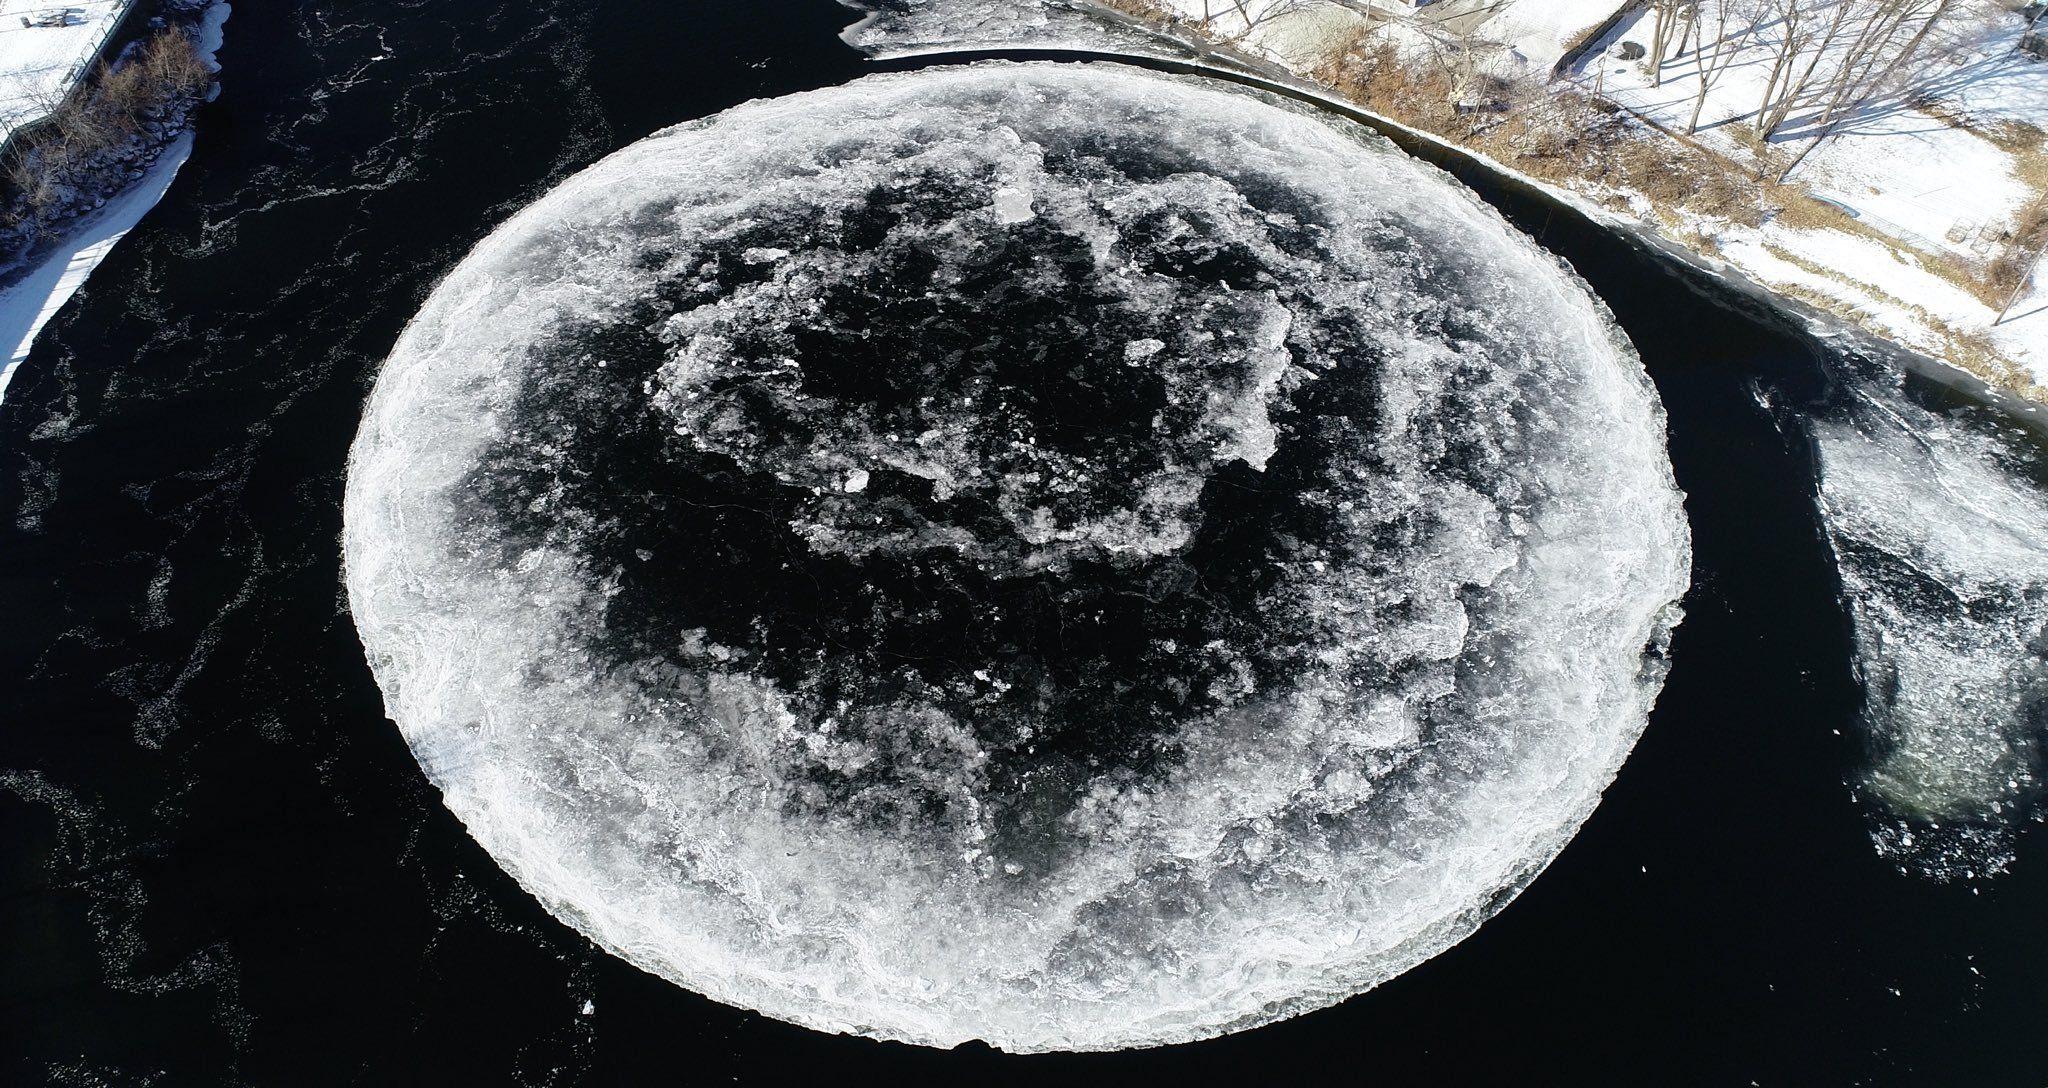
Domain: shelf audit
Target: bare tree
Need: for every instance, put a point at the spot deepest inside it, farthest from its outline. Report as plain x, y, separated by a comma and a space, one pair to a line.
1794, 92
1886, 41
1667, 17
1878, 83
1241, 17
1793, 29
1711, 59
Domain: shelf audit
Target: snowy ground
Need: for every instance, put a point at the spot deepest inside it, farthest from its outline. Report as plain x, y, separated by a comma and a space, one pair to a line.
1904, 168
38, 64
28, 303
1905, 171
1540, 31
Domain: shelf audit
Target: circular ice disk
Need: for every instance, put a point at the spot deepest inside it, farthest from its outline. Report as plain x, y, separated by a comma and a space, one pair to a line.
1051, 554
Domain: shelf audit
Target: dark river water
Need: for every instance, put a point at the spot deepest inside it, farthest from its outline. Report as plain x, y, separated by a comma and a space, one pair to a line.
219, 864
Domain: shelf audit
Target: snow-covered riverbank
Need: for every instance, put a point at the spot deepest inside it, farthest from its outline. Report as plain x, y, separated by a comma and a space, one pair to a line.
29, 301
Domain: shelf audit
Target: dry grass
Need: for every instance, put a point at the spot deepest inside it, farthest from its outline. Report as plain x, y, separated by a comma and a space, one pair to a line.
105, 114
2029, 233
1560, 136
2014, 136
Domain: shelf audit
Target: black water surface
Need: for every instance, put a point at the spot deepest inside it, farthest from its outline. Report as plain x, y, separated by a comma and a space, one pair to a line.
219, 864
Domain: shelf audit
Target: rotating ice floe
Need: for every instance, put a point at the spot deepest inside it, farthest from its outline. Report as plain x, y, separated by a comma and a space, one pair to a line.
1051, 554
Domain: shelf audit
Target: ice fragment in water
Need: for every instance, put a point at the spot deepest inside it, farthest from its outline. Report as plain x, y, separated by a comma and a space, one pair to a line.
1940, 528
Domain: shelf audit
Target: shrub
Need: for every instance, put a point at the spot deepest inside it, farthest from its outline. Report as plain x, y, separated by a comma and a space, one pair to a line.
102, 116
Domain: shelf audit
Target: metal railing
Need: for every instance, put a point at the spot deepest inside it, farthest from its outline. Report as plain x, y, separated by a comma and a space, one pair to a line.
73, 79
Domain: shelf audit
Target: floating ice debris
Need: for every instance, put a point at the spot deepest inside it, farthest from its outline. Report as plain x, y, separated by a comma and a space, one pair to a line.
1940, 529
1013, 205
1262, 561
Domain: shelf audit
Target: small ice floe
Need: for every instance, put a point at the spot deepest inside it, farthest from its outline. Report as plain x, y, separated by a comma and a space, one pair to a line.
1137, 351
1013, 205
1940, 532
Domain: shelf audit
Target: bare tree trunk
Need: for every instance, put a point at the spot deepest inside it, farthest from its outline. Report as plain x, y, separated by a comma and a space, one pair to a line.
1675, 17
1710, 66
1865, 52
1866, 69
1791, 16
1703, 68
1657, 8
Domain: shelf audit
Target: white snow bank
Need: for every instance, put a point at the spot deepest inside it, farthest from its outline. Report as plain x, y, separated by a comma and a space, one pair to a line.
29, 303
1540, 31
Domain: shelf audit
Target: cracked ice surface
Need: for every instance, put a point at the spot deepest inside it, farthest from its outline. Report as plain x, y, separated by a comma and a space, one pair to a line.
1051, 554
1940, 529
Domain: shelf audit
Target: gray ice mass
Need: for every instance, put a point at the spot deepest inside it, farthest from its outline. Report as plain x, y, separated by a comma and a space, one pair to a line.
1049, 554
1939, 525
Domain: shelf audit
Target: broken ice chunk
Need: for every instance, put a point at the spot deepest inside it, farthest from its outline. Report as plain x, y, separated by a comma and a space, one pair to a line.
1013, 205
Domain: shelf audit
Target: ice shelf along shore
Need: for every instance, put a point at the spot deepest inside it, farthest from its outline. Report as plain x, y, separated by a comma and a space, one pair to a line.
35, 293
